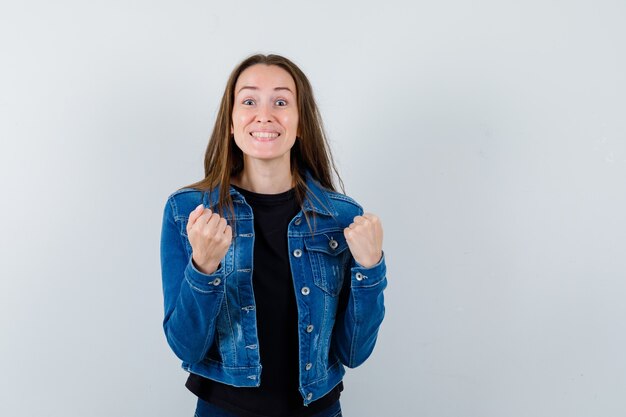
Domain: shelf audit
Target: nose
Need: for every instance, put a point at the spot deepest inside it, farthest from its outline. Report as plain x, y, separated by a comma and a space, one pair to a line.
264, 114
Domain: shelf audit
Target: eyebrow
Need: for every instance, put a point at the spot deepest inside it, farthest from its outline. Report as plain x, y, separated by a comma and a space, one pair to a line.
250, 87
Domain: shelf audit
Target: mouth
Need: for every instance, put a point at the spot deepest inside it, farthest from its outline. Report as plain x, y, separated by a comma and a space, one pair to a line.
265, 136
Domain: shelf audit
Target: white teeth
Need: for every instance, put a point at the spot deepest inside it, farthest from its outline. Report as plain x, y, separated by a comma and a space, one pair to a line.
265, 134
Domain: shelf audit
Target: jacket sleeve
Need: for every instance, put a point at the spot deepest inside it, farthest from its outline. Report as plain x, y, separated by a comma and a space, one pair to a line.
360, 313
192, 299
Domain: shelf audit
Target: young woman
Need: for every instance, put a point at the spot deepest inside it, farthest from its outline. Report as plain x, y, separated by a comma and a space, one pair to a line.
272, 280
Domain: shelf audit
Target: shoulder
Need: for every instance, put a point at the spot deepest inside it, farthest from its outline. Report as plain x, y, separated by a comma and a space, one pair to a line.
333, 203
344, 205
183, 201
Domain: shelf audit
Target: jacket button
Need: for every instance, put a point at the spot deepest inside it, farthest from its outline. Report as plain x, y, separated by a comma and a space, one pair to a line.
216, 281
309, 328
298, 221
359, 276
305, 290
297, 253
333, 244
308, 366
309, 396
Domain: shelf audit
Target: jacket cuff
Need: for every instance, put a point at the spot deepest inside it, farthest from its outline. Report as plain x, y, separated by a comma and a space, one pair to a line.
202, 282
368, 277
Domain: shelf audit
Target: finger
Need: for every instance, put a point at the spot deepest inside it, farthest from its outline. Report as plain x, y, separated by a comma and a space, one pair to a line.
206, 216
347, 233
367, 219
370, 216
221, 226
193, 216
212, 224
227, 236
203, 218
375, 220
358, 219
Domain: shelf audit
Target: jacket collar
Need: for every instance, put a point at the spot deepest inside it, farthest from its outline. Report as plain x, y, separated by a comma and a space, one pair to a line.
317, 197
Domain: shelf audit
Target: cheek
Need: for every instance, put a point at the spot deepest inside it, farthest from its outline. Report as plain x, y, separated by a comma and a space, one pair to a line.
291, 120
240, 119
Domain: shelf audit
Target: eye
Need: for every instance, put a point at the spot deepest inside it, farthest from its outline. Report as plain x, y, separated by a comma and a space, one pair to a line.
281, 102
248, 102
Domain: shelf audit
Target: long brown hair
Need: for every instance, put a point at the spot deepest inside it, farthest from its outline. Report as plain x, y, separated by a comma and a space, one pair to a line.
311, 151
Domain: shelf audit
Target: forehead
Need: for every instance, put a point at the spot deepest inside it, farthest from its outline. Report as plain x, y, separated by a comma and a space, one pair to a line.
263, 76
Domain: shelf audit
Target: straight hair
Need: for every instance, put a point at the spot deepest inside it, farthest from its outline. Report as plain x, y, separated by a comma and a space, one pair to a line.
310, 153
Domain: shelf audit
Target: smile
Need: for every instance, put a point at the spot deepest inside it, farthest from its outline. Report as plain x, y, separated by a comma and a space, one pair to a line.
265, 135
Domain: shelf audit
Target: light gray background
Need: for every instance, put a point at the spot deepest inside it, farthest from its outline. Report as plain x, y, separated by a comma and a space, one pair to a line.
489, 136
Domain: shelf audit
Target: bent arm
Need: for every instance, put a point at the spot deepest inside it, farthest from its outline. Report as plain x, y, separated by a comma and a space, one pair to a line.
360, 313
192, 299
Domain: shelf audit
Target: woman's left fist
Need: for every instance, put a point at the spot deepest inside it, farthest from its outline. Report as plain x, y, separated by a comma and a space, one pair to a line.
365, 239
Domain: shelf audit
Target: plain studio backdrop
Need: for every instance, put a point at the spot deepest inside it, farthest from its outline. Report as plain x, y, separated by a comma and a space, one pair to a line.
489, 136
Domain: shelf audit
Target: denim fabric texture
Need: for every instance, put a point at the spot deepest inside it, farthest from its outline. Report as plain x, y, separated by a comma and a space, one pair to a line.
206, 409
210, 319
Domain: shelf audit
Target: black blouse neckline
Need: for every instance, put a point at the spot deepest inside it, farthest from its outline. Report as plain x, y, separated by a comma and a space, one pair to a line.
260, 198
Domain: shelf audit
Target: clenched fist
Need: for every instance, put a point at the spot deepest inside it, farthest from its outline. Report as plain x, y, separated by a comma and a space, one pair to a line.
365, 239
210, 238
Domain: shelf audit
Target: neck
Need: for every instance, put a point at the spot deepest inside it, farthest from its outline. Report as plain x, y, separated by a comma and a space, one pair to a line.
264, 179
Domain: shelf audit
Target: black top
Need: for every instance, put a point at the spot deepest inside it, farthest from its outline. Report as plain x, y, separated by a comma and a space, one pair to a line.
277, 322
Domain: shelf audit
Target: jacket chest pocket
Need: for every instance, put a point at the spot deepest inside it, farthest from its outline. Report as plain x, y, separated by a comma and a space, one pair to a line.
328, 255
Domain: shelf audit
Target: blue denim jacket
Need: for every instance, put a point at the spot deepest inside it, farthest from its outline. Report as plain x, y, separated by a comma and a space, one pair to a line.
210, 320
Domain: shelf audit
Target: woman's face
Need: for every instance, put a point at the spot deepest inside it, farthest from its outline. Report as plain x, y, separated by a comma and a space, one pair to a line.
265, 113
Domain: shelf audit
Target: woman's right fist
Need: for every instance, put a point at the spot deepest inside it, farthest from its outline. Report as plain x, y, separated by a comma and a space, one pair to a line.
210, 237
